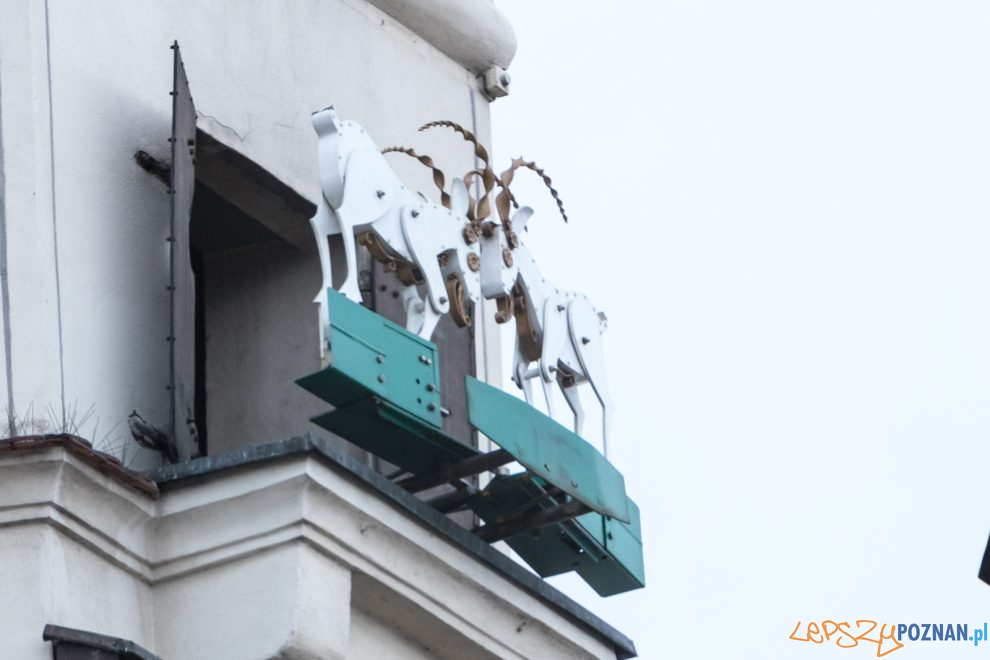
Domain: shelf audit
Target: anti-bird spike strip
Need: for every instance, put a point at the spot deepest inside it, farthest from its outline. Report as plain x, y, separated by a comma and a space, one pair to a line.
438, 177
488, 178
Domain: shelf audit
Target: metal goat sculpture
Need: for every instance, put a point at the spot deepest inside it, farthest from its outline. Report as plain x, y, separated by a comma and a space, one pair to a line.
560, 331
438, 245
362, 199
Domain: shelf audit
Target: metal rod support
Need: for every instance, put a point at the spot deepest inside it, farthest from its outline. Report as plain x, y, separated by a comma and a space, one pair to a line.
531, 523
449, 472
453, 500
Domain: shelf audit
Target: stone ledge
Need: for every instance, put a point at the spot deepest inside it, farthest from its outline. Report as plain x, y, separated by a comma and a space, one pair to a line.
450, 543
302, 502
82, 449
473, 33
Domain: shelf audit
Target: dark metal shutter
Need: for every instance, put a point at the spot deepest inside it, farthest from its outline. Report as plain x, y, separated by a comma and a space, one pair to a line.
182, 285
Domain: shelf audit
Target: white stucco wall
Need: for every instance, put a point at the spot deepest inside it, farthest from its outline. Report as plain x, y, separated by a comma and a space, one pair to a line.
89, 328
57, 566
288, 558
83, 86
370, 636
28, 206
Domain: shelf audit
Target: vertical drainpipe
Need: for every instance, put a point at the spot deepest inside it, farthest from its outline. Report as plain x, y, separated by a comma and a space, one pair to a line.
58, 280
5, 289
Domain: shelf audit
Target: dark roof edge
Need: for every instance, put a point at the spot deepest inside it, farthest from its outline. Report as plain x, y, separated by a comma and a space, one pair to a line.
984, 573
167, 474
83, 450
125, 649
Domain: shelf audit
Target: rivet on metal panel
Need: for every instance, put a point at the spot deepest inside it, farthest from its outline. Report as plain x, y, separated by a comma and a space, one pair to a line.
380, 193
380, 359
425, 359
381, 378
470, 235
474, 261
431, 407
415, 214
430, 387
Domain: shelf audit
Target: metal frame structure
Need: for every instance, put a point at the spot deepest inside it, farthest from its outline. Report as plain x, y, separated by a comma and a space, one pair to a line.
567, 511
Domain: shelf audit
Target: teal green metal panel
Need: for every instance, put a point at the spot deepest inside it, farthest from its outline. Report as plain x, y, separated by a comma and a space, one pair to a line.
393, 434
548, 449
549, 551
605, 552
622, 569
624, 542
384, 383
372, 356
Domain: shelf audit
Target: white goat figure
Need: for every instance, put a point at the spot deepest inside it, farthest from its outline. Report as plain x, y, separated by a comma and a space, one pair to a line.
560, 331
360, 193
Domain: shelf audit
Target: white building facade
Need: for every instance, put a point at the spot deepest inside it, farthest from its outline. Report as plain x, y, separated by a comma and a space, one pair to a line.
263, 541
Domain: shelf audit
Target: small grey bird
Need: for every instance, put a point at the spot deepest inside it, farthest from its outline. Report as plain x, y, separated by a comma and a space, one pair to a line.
148, 436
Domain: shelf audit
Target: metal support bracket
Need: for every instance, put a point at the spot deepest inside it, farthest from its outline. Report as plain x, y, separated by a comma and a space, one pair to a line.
567, 512
525, 524
450, 472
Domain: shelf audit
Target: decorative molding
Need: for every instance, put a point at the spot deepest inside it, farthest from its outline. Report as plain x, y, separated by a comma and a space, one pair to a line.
203, 523
473, 33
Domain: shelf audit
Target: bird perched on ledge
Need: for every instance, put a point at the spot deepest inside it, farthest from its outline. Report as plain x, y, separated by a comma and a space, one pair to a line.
152, 438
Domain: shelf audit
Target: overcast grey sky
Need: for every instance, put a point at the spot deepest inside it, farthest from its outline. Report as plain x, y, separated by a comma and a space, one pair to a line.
783, 208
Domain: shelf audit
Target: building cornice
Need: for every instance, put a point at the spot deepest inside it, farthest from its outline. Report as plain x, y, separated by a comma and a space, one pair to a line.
82, 449
473, 33
284, 500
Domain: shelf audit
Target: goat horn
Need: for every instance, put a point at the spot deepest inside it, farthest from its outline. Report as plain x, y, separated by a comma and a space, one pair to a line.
487, 174
506, 197
477, 211
438, 177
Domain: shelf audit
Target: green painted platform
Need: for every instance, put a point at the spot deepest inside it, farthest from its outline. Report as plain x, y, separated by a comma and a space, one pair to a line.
547, 449
383, 382
608, 554
372, 356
